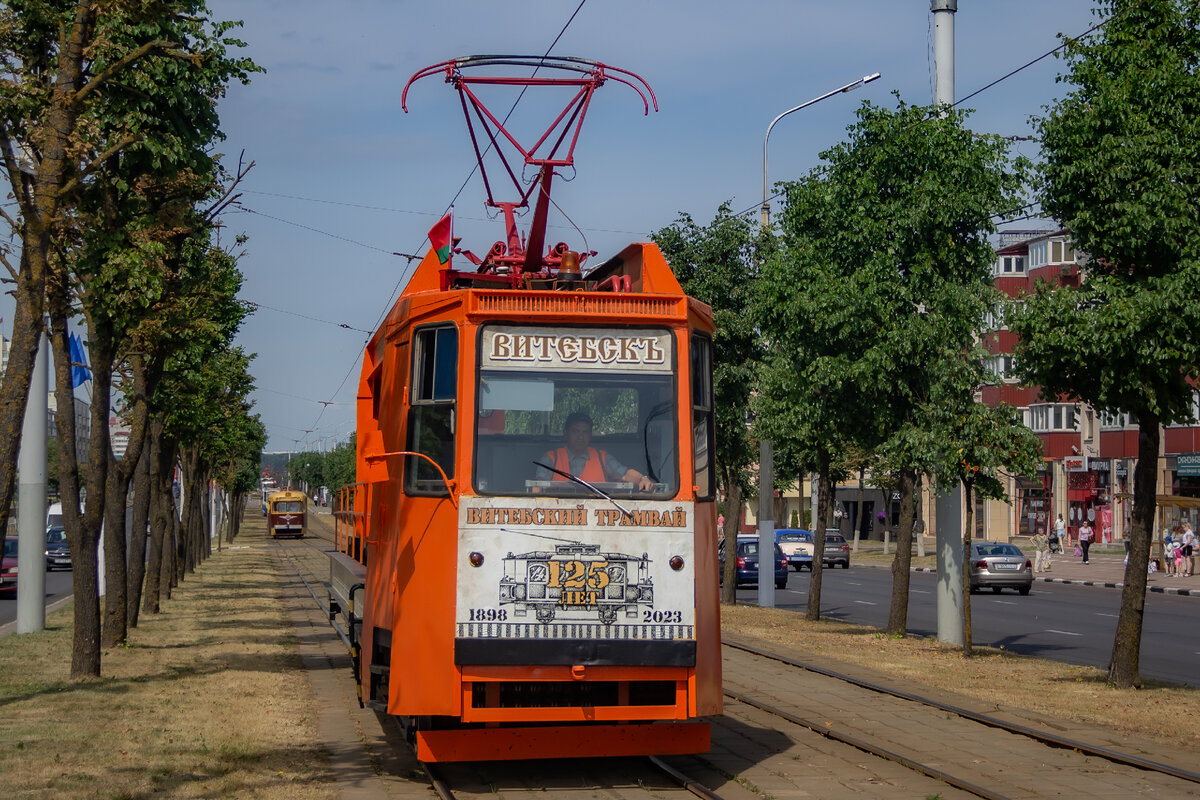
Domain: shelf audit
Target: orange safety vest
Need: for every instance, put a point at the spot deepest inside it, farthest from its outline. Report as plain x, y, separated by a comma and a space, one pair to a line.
595, 470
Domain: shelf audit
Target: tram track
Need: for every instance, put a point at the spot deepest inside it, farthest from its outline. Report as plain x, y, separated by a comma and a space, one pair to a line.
842, 724
307, 558
866, 730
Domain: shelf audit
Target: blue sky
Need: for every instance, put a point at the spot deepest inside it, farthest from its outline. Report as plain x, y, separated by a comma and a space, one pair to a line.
343, 178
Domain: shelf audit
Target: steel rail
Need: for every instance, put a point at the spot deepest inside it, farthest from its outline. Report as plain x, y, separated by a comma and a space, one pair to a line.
867, 747
436, 781
1045, 737
692, 786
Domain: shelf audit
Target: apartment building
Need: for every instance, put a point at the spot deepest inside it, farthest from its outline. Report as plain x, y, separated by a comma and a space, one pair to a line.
1088, 457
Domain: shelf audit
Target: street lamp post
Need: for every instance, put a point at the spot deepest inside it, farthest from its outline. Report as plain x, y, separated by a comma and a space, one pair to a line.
766, 453
766, 207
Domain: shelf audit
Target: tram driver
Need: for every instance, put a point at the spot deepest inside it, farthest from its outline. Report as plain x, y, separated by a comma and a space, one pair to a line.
588, 463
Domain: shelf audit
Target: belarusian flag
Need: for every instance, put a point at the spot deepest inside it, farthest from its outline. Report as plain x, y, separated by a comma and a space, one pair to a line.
439, 238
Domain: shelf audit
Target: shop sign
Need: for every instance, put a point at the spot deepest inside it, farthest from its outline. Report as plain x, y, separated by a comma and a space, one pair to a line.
1100, 465
1122, 467
1075, 463
1187, 464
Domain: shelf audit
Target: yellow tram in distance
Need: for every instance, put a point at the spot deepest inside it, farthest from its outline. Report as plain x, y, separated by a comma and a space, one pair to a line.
287, 514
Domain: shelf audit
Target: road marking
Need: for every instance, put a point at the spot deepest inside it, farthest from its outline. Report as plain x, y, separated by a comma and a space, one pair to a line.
1005, 603
1064, 633
864, 603
918, 591
852, 583
1114, 616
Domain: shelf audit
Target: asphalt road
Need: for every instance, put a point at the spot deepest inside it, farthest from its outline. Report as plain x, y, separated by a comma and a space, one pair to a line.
1068, 623
58, 585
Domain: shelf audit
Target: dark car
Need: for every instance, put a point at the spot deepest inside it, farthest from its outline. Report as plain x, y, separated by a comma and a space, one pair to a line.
8, 568
58, 554
1000, 565
797, 545
747, 562
837, 551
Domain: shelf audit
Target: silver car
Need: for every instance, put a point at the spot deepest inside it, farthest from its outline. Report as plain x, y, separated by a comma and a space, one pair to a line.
1000, 565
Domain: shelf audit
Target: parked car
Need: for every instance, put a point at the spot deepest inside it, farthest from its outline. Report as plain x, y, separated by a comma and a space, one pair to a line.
58, 554
8, 568
1000, 565
797, 545
747, 562
837, 551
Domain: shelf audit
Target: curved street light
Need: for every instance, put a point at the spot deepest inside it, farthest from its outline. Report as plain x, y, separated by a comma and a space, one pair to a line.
766, 451
848, 87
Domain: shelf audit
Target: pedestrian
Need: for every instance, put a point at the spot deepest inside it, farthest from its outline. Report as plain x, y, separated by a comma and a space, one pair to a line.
1060, 535
1188, 550
1041, 552
1085, 538
1169, 548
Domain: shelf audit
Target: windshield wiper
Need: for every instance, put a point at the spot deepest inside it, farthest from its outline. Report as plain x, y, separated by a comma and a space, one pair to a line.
598, 491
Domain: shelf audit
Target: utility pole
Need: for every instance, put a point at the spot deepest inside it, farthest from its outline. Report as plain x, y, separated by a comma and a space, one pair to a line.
949, 509
31, 488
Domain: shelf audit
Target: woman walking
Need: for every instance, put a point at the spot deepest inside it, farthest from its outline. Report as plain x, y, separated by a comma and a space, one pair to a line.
1085, 538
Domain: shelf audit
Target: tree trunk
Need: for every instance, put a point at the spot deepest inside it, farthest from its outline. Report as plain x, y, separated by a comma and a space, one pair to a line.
14, 389
158, 520
969, 501
137, 545
39, 198
1124, 669
82, 528
902, 563
733, 521
824, 504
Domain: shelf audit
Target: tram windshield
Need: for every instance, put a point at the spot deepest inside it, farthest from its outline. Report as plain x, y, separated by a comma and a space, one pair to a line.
606, 413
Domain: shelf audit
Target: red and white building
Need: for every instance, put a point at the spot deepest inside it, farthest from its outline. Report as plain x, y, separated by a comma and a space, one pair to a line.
1089, 457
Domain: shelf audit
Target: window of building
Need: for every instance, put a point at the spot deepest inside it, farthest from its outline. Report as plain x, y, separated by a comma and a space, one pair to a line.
1194, 410
1049, 417
1003, 365
1038, 254
1121, 419
1010, 265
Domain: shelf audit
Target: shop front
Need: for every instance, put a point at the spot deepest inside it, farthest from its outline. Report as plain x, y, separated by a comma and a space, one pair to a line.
1034, 503
1089, 496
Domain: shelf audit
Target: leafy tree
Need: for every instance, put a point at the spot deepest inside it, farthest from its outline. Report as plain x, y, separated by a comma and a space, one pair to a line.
340, 465
59, 59
884, 268
1121, 155
307, 469
118, 255
716, 264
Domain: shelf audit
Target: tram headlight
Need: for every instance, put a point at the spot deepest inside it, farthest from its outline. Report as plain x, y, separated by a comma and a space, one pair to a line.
476, 558
676, 563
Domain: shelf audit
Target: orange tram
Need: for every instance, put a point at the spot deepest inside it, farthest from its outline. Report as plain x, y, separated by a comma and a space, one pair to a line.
286, 514
527, 564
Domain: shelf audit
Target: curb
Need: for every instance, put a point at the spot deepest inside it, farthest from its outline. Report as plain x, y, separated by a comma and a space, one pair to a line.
1105, 584
10, 627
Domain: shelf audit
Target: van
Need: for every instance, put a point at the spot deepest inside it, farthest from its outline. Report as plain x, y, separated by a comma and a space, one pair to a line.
54, 517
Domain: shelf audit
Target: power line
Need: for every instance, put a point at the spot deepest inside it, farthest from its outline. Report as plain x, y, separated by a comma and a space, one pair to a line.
397, 211
253, 304
318, 230
1002, 78
391, 298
